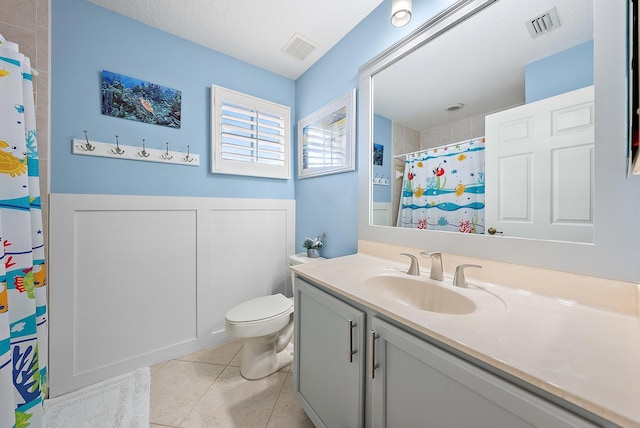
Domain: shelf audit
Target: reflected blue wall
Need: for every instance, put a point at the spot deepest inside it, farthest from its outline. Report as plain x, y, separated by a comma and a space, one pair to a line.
382, 134
563, 72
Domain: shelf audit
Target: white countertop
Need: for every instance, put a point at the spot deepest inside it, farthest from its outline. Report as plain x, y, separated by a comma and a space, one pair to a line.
585, 355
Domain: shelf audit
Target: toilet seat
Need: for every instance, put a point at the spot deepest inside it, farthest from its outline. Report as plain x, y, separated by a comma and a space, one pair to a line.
260, 309
259, 317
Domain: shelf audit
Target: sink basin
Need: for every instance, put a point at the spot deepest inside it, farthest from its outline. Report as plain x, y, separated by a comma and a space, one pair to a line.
420, 294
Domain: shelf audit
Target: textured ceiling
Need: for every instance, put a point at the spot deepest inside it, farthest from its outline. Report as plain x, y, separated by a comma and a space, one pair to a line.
253, 31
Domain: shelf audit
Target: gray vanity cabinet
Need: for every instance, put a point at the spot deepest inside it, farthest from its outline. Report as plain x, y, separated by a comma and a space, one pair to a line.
329, 358
350, 362
417, 384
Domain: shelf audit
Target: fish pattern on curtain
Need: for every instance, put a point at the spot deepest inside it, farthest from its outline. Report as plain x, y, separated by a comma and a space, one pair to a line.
443, 188
23, 309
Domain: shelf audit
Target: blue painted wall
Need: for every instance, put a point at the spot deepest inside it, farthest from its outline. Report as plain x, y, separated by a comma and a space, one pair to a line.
563, 72
382, 134
85, 39
330, 203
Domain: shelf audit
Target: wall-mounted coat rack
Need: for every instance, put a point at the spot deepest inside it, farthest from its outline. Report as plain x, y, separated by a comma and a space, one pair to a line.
380, 181
141, 153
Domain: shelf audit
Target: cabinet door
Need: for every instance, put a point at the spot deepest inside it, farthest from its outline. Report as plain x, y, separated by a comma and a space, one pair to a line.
328, 358
419, 385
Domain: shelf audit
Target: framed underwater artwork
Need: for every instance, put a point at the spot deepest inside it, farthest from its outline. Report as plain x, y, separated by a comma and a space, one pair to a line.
326, 138
134, 99
378, 154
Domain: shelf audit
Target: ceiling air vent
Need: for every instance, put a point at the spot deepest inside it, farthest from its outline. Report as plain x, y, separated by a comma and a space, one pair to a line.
299, 46
543, 23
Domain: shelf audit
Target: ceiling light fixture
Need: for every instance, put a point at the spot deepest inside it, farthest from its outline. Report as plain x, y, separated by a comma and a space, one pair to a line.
400, 12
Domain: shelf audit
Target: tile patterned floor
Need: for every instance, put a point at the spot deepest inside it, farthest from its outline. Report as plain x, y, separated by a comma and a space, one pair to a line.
205, 389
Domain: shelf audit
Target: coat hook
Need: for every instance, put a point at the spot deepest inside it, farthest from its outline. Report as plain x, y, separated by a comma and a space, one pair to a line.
143, 153
187, 158
117, 150
166, 155
87, 147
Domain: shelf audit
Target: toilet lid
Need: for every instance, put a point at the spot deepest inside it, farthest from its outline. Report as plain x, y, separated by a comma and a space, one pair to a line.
259, 309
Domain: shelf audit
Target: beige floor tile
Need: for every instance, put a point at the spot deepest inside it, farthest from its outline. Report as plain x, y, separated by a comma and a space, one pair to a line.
154, 368
287, 412
219, 354
236, 360
177, 387
287, 369
233, 401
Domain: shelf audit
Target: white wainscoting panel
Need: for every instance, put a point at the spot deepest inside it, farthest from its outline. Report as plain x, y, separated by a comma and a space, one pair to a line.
137, 280
132, 275
382, 213
252, 263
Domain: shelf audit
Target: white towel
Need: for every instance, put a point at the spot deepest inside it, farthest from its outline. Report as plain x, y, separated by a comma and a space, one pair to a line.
119, 402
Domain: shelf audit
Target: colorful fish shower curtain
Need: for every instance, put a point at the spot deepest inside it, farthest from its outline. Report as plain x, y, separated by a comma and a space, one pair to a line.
23, 309
443, 188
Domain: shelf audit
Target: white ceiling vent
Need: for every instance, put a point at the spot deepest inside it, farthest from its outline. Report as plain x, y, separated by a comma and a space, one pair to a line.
299, 46
543, 23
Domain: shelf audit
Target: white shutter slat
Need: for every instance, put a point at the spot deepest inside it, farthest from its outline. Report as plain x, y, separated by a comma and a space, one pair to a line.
247, 130
275, 128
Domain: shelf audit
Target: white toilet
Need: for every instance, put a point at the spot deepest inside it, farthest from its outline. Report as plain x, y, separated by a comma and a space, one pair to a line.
266, 326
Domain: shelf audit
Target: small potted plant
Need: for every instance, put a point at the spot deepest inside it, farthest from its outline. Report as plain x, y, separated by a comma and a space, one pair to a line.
313, 245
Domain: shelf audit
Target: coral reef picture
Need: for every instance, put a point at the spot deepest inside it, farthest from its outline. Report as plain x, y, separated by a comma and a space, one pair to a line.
134, 99
378, 154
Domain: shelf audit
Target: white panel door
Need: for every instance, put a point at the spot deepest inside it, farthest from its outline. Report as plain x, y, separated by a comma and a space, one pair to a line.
539, 168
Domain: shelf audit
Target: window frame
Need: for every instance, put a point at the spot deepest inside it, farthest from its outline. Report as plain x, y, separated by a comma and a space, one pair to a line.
226, 160
319, 119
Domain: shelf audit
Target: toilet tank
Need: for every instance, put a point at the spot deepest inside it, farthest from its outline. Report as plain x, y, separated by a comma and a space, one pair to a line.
298, 259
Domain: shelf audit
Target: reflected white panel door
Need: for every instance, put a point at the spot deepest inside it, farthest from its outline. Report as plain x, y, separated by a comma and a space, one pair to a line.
539, 168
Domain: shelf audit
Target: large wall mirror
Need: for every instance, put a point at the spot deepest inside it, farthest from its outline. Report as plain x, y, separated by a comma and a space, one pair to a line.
498, 136
435, 113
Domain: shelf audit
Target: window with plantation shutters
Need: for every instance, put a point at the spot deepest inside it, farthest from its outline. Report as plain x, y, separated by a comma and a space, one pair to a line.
251, 136
324, 147
326, 138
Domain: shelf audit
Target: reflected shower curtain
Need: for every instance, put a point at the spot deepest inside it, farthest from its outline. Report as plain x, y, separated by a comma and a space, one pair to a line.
23, 309
443, 188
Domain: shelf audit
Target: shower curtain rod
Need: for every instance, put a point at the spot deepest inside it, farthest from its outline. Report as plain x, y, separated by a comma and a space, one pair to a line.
437, 147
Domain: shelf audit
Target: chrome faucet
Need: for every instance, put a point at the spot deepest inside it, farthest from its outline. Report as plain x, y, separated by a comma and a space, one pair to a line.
458, 278
436, 265
414, 269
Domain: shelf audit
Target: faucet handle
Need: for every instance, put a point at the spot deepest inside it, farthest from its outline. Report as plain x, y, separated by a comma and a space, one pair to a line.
414, 269
458, 278
436, 265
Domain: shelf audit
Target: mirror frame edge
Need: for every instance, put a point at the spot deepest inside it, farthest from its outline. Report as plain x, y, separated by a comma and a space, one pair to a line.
610, 256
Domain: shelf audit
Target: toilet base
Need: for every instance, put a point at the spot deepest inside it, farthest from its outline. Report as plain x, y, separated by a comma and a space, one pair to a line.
259, 357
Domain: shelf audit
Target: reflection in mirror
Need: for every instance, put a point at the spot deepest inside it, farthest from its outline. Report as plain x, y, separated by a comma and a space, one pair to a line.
489, 126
